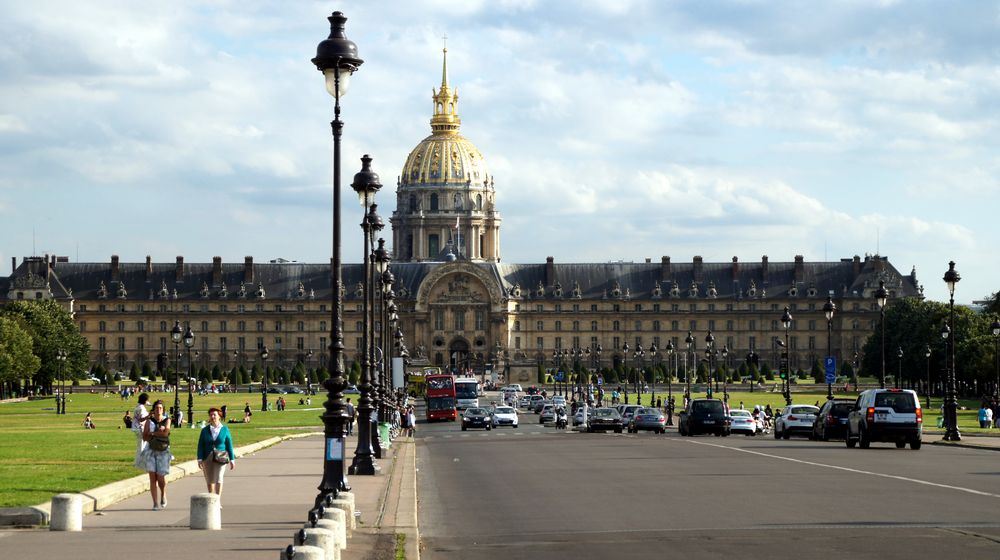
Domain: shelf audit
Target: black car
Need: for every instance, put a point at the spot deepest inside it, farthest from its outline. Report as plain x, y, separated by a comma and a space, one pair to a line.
605, 419
477, 418
831, 421
704, 416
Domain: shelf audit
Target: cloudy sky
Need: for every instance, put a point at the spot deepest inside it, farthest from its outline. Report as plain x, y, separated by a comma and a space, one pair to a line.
615, 129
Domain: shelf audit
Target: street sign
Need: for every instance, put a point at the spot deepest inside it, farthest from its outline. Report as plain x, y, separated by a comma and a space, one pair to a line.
831, 369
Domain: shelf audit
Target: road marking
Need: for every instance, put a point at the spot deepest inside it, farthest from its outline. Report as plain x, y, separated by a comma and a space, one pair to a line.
848, 469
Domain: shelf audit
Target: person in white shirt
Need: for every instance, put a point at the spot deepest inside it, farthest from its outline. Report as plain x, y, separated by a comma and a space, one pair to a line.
139, 416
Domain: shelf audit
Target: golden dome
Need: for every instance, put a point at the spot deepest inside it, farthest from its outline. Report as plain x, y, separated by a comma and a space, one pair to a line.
445, 158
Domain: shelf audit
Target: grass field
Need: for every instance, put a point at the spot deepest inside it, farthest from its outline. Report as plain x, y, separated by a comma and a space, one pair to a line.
42, 453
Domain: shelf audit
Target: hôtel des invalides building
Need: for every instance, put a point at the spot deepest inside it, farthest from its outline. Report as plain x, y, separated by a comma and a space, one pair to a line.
459, 304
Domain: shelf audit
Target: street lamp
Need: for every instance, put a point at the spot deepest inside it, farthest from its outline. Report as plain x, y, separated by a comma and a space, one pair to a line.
176, 335
652, 360
709, 347
236, 367
725, 374
689, 340
264, 355
829, 308
995, 329
899, 366
881, 295
927, 393
189, 343
61, 401
107, 367
640, 356
625, 350
670, 382
951, 433
786, 321
366, 184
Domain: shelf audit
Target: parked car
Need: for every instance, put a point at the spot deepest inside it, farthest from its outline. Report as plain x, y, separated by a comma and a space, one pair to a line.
294, 390
504, 416
547, 414
352, 390
831, 421
704, 416
795, 419
277, 390
649, 419
626, 411
476, 417
891, 415
605, 419
742, 421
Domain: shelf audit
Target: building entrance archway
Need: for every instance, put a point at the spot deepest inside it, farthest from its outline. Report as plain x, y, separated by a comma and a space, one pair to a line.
458, 352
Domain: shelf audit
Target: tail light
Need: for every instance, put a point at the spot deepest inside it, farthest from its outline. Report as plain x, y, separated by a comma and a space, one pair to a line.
829, 420
792, 418
870, 415
920, 416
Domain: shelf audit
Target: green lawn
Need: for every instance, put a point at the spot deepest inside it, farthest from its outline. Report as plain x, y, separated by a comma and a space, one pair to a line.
42, 453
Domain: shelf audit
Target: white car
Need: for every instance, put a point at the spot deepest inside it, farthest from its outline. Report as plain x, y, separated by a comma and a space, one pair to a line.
578, 417
525, 401
504, 416
514, 387
742, 421
795, 419
559, 400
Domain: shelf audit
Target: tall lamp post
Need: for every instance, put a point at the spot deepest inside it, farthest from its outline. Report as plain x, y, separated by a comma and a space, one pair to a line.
899, 366
625, 350
236, 366
689, 340
995, 329
709, 348
177, 335
652, 361
264, 355
829, 308
640, 355
725, 374
881, 295
670, 381
189, 343
366, 184
927, 392
61, 401
951, 433
786, 321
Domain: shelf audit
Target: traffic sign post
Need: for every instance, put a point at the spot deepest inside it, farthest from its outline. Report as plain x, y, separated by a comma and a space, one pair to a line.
831, 375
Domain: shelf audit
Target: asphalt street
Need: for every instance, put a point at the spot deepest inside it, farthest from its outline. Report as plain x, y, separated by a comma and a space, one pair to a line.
538, 492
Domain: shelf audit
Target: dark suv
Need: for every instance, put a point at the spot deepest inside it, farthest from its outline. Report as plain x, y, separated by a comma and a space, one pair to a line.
891, 415
704, 416
831, 421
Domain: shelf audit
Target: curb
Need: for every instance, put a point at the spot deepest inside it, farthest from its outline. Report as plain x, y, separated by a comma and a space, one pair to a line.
101, 497
964, 444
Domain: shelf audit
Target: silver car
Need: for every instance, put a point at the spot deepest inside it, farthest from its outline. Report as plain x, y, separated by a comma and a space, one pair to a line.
795, 419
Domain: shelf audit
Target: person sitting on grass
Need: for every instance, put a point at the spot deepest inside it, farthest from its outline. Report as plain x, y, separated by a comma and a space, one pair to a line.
88, 424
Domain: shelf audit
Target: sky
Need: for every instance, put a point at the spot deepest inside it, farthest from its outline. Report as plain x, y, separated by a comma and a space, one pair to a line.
615, 130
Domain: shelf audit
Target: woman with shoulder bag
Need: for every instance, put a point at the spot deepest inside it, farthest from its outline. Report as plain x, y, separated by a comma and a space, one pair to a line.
156, 457
215, 451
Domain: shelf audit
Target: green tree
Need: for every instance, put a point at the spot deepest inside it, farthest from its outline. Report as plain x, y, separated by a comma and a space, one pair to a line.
147, 371
299, 373
355, 373
256, 373
216, 373
51, 329
817, 372
17, 361
133, 372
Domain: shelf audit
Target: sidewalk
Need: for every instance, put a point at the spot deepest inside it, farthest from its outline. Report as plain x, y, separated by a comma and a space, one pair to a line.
266, 498
972, 441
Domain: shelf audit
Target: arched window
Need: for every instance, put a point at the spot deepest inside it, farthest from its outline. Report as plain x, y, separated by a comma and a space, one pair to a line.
434, 202
479, 202
458, 204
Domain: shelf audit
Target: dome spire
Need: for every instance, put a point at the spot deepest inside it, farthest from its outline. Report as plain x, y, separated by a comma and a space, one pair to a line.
445, 119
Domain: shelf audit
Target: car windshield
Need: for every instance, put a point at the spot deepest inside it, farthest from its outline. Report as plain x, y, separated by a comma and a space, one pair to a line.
606, 412
505, 410
803, 410
739, 413
900, 402
841, 410
707, 406
650, 411
441, 403
476, 412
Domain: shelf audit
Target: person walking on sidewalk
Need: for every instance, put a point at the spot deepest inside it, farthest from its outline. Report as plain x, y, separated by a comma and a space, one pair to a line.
350, 417
411, 420
215, 450
139, 416
157, 456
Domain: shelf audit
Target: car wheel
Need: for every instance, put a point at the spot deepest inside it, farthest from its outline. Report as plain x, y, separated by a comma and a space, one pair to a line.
863, 440
717, 434
748, 434
785, 435
464, 428
590, 430
488, 428
825, 436
777, 434
914, 444
901, 444
515, 426
618, 430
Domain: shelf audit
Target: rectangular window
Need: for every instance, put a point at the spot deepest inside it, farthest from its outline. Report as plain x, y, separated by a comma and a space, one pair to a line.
638, 307
439, 319
260, 326
223, 343
616, 308
517, 342
593, 307
812, 342
140, 343
558, 343
753, 324
656, 308
300, 343
121, 326
121, 344
616, 343
163, 344
539, 343
459, 320
241, 343
480, 320
711, 325
140, 326
102, 343
223, 326
301, 326
204, 343
241, 326
558, 327
753, 342
729, 325
675, 325
204, 326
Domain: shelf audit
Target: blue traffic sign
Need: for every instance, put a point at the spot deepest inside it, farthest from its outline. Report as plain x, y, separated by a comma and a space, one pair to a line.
831, 369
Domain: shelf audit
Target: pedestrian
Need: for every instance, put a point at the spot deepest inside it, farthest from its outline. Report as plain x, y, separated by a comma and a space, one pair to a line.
247, 414
127, 419
350, 417
157, 454
88, 424
659, 403
984, 416
411, 420
215, 451
222, 411
139, 416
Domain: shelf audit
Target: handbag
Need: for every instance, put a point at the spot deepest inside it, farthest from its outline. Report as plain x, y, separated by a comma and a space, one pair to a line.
159, 443
220, 457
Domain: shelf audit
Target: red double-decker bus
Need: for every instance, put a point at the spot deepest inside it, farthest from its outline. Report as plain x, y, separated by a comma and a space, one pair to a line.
440, 397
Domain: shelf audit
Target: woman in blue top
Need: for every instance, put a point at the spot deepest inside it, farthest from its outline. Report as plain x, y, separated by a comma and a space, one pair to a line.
215, 437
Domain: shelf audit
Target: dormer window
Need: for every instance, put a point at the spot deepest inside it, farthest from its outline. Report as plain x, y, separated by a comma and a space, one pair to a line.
712, 292
102, 291
693, 290
577, 293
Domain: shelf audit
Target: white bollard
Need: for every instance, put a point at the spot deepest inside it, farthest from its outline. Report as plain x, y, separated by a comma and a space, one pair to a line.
303, 552
339, 517
349, 496
348, 508
321, 538
335, 527
67, 512
205, 512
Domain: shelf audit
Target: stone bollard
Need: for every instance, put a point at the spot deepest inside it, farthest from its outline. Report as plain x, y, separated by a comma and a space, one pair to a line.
303, 552
67, 512
339, 517
335, 527
320, 538
348, 509
205, 512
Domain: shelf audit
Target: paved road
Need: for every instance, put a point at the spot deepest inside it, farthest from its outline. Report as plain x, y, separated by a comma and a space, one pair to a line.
537, 492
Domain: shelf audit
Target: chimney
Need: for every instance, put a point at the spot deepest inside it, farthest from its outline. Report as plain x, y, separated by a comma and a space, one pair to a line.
696, 268
248, 269
550, 271
216, 271
879, 263
13, 264
857, 266
665, 272
114, 268
149, 268
800, 269
648, 260
763, 270
180, 269
736, 269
